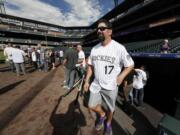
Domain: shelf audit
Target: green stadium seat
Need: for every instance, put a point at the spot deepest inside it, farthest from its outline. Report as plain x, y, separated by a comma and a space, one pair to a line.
169, 126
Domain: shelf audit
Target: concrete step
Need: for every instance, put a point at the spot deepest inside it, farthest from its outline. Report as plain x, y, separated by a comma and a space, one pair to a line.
124, 121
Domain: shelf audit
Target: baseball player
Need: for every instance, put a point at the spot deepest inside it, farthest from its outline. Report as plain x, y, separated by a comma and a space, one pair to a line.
106, 61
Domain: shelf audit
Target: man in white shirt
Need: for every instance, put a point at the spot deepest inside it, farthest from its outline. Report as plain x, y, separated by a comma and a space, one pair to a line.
34, 57
42, 64
81, 60
139, 82
8, 54
18, 59
81, 56
106, 61
61, 55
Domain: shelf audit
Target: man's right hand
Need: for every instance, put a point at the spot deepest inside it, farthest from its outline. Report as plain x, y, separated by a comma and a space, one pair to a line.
86, 86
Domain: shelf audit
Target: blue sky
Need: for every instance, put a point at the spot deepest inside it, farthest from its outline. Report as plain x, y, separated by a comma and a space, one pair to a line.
60, 12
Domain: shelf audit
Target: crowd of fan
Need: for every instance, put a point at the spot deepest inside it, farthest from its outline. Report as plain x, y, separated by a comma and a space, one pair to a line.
41, 58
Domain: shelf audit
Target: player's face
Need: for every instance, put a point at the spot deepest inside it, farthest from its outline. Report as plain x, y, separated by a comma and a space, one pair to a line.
103, 31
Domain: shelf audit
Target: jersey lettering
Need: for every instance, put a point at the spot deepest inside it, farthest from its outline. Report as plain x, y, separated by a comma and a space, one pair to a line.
104, 58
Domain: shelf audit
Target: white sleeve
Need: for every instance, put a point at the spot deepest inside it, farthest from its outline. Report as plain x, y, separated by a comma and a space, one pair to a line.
126, 58
144, 76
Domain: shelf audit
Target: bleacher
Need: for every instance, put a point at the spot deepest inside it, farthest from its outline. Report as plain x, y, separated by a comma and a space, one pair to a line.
152, 46
144, 46
29, 41
23, 30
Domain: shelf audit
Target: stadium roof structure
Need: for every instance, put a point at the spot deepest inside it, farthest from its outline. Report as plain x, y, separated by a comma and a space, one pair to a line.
124, 6
150, 15
143, 20
38, 22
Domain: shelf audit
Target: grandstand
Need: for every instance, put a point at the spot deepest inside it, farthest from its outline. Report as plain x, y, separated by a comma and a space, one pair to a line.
30, 32
142, 33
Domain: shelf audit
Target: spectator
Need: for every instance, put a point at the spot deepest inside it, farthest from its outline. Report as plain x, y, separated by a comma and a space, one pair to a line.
165, 47
29, 55
81, 56
106, 61
70, 60
139, 82
46, 60
61, 55
8, 55
128, 87
42, 63
81, 60
52, 58
18, 59
128, 92
34, 57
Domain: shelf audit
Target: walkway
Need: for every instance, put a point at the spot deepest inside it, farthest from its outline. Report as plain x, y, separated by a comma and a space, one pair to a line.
31, 105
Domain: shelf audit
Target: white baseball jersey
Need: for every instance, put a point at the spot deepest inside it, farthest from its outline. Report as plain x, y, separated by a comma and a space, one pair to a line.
107, 62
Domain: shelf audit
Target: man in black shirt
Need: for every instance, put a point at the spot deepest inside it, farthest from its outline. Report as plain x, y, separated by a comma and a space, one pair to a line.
128, 86
128, 92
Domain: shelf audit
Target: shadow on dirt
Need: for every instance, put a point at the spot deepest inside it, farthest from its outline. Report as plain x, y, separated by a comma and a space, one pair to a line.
69, 123
10, 87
